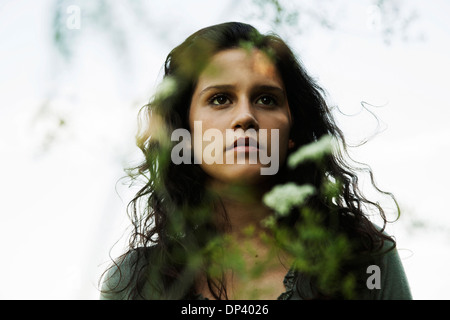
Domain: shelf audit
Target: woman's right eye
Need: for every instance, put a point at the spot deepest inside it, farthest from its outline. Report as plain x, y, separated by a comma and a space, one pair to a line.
219, 100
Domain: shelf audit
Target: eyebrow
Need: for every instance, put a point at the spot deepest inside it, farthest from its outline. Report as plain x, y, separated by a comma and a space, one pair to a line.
224, 87
227, 87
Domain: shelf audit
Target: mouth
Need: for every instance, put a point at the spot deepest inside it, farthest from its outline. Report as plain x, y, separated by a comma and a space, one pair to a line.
244, 144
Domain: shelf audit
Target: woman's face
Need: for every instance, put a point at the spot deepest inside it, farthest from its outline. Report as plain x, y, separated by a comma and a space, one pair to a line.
239, 118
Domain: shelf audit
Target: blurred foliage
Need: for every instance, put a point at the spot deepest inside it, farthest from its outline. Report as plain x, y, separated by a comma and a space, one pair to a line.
97, 17
390, 19
311, 246
318, 251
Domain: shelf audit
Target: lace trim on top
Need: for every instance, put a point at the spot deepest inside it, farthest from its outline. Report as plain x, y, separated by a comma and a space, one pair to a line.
288, 281
289, 284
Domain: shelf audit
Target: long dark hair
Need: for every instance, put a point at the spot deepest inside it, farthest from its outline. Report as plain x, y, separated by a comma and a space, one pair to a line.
171, 213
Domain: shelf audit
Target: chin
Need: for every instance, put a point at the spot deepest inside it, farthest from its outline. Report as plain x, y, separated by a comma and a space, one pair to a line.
238, 174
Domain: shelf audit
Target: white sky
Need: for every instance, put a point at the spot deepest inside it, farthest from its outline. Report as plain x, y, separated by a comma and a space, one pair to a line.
59, 210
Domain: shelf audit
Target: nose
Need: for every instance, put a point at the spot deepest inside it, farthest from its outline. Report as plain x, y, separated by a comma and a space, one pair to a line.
244, 118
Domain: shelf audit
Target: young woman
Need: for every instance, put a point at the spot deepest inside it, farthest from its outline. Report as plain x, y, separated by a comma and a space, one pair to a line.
233, 107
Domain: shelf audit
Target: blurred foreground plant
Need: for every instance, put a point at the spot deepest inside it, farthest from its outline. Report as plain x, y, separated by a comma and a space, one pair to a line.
314, 249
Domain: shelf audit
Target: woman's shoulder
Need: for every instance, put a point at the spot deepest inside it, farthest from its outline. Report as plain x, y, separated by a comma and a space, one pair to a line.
119, 280
386, 277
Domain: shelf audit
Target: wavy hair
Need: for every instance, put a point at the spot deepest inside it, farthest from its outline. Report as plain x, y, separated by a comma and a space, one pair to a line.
171, 213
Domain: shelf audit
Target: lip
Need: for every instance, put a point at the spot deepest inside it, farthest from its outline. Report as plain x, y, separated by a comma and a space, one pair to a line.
244, 144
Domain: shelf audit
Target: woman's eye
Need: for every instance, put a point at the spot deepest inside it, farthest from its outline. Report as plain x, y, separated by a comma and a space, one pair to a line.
219, 100
266, 100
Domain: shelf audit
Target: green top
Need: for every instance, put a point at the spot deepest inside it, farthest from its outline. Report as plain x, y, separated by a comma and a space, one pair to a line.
385, 280
392, 283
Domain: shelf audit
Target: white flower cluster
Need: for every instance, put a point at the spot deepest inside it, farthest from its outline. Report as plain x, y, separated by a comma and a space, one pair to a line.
283, 198
313, 151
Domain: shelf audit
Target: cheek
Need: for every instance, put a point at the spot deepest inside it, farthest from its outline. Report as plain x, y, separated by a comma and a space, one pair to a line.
280, 145
207, 141
192, 115
282, 128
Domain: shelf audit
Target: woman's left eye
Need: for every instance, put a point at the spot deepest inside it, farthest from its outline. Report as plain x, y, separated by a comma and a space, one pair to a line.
267, 101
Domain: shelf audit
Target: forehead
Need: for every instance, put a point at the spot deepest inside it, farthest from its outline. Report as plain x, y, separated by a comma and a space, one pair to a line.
239, 63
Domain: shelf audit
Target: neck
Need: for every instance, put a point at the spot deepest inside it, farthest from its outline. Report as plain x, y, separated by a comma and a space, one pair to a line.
240, 207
